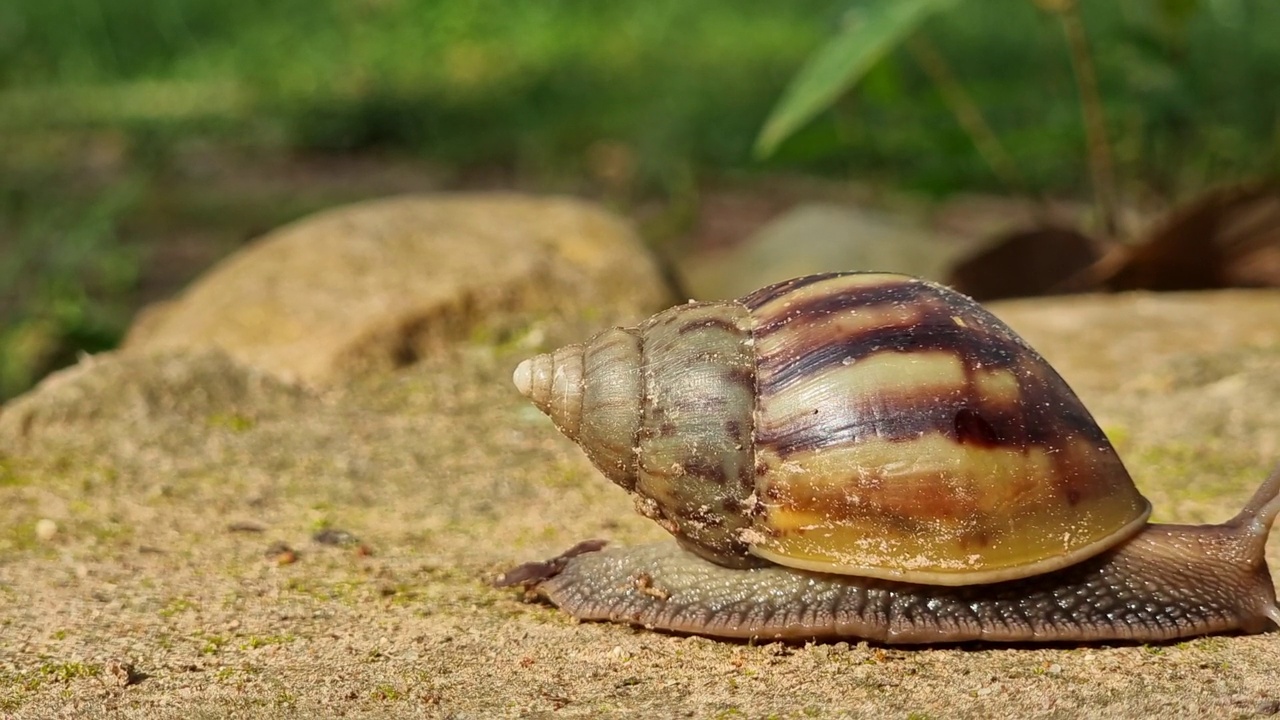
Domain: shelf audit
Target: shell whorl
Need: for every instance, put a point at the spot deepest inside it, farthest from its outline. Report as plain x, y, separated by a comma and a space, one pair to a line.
665, 411
592, 392
696, 475
554, 383
904, 432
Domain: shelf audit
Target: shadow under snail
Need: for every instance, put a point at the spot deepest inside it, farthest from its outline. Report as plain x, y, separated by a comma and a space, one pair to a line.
865, 455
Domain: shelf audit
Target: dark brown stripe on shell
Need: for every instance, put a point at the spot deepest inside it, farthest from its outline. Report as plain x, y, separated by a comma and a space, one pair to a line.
704, 468
971, 428
1035, 420
769, 293
982, 341
934, 332
744, 376
823, 306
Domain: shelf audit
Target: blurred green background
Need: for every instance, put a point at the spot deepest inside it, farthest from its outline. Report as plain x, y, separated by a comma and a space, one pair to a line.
140, 140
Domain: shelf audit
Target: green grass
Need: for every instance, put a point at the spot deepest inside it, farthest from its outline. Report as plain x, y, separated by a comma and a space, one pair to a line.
64, 278
532, 84
102, 103
481, 81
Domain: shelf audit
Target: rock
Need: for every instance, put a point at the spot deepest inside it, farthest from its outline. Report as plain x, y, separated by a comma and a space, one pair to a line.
118, 394
1044, 260
46, 529
823, 237
985, 216
376, 285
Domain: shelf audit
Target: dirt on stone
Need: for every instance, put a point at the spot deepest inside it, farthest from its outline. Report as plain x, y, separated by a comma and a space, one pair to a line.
184, 536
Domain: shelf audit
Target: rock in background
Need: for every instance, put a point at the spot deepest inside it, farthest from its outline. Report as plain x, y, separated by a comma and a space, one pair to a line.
377, 285
824, 237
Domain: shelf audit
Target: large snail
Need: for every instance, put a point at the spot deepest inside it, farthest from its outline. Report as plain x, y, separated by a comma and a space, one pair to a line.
873, 456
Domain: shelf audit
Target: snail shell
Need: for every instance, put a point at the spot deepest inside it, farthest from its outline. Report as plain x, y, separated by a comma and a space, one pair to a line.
873, 456
863, 424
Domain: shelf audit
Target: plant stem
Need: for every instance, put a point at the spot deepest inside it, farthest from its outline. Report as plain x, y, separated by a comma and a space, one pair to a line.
968, 114
1095, 125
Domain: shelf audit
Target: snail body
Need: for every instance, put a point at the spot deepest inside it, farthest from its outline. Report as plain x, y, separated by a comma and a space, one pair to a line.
875, 456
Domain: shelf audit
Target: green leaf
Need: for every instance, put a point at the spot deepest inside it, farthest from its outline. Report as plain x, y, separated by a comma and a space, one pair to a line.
871, 30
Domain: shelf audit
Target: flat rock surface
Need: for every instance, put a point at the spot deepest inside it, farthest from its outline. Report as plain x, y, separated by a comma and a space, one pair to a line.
182, 535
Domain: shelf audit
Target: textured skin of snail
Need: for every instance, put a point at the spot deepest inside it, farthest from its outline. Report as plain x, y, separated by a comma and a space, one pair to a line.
873, 456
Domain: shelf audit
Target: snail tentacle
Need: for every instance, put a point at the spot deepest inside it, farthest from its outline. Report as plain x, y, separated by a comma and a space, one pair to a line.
1261, 510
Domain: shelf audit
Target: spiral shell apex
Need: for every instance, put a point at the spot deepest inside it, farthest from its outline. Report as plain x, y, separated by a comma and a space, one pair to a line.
854, 423
591, 392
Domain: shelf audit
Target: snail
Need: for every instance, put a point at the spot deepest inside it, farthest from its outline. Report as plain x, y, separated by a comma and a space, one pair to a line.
873, 456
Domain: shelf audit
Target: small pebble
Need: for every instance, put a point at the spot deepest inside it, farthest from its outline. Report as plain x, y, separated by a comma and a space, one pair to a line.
333, 536
281, 553
46, 529
120, 672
